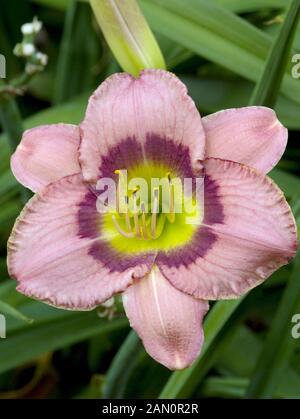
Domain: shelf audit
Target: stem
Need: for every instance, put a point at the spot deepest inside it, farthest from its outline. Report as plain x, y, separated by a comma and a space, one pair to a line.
11, 122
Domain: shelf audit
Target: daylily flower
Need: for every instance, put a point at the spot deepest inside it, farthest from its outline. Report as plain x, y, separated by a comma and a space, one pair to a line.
67, 254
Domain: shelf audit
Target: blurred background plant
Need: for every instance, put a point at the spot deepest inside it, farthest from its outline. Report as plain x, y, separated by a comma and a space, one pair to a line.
221, 49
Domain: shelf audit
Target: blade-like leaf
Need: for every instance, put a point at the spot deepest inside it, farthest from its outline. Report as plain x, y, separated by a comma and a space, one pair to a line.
267, 89
28, 344
121, 366
9, 310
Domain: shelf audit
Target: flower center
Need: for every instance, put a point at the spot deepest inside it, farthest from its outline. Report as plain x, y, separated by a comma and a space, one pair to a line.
143, 220
150, 212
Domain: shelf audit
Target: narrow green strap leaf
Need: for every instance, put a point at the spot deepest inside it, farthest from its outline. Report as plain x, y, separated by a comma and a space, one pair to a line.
232, 387
217, 35
29, 343
122, 366
267, 88
78, 55
9, 310
279, 344
183, 383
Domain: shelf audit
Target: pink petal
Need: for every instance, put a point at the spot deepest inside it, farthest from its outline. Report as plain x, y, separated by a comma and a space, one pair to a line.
51, 251
123, 108
168, 321
249, 232
252, 136
46, 154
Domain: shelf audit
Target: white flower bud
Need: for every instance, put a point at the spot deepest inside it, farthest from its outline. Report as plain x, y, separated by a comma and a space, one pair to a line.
37, 25
42, 58
27, 29
18, 50
28, 49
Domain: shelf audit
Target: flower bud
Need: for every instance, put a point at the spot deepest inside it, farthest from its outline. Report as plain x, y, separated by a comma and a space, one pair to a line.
128, 35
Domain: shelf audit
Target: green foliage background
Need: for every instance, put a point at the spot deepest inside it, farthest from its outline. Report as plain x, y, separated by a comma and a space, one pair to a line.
219, 48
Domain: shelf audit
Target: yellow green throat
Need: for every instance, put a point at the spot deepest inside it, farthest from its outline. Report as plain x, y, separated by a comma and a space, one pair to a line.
155, 222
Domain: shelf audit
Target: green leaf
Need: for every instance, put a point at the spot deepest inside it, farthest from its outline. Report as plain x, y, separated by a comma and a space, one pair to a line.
9, 310
268, 87
235, 387
79, 53
217, 35
279, 343
288, 183
214, 94
56, 4
9, 211
237, 357
70, 113
228, 387
7, 182
121, 367
236, 6
11, 122
247, 6
238, 352
25, 345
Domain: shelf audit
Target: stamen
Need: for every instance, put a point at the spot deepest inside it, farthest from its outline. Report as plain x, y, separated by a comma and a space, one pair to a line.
144, 224
171, 199
121, 183
128, 235
127, 218
137, 230
144, 227
118, 172
154, 212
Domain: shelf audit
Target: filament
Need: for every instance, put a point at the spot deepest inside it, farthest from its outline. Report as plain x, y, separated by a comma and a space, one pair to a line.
154, 212
144, 224
171, 199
